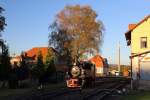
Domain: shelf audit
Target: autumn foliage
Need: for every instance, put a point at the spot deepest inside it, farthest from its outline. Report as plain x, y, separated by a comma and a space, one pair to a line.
76, 30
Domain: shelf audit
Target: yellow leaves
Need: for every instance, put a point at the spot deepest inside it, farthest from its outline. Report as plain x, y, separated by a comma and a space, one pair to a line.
82, 30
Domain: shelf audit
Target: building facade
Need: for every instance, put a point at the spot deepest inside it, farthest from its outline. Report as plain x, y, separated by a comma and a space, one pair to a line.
138, 38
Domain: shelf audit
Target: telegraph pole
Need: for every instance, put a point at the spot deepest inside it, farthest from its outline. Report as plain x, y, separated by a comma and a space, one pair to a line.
119, 57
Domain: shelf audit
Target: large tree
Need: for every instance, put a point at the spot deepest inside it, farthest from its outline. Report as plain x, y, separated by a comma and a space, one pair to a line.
76, 30
4, 52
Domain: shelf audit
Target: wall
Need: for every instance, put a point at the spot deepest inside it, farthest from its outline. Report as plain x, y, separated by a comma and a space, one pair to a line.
143, 30
134, 67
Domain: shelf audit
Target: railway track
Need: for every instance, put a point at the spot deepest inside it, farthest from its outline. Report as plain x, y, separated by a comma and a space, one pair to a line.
47, 95
101, 94
98, 92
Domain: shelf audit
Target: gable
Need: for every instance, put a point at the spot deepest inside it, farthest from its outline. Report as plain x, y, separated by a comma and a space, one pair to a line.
143, 27
97, 60
133, 27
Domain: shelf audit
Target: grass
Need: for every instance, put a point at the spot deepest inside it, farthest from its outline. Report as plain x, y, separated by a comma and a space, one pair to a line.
137, 95
8, 93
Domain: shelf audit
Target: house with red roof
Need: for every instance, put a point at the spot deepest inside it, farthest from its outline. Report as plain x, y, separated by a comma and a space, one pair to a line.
32, 54
44, 51
35, 51
101, 65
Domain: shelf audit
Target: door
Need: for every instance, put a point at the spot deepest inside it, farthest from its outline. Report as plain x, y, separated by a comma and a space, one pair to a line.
145, 70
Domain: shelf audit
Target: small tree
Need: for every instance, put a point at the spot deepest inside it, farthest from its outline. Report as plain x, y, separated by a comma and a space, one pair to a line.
38, 70
23, 70
50, 62
5, 65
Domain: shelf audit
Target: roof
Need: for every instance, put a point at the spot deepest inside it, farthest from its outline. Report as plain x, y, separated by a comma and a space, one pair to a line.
132, 27
34, 51
98, 60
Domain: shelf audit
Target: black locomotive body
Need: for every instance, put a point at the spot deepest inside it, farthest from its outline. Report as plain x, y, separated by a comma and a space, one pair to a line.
82, 74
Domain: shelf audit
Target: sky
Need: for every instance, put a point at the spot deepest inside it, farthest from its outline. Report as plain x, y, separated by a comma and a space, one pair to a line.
28, 22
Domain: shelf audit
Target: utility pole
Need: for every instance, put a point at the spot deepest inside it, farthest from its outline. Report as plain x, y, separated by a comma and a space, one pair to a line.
119, 57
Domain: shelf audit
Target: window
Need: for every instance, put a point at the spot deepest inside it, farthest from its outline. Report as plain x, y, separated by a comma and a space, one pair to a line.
143, 42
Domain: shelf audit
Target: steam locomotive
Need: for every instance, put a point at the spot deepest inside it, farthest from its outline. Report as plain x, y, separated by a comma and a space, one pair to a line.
81, 75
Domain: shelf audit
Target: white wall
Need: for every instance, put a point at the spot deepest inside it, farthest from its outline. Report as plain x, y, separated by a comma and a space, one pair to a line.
134, 67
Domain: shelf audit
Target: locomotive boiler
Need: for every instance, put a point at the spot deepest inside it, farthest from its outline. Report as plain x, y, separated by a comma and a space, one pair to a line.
81, 75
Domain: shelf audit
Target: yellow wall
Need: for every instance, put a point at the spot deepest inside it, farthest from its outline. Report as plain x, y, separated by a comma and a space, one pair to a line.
143, 30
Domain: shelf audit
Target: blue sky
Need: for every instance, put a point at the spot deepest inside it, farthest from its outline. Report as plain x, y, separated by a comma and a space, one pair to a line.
28, 22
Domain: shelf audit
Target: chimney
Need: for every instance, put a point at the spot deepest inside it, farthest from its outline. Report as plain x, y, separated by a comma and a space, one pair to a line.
131, 26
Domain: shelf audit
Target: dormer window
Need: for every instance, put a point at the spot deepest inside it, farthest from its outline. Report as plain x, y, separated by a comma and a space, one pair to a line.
143, 42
